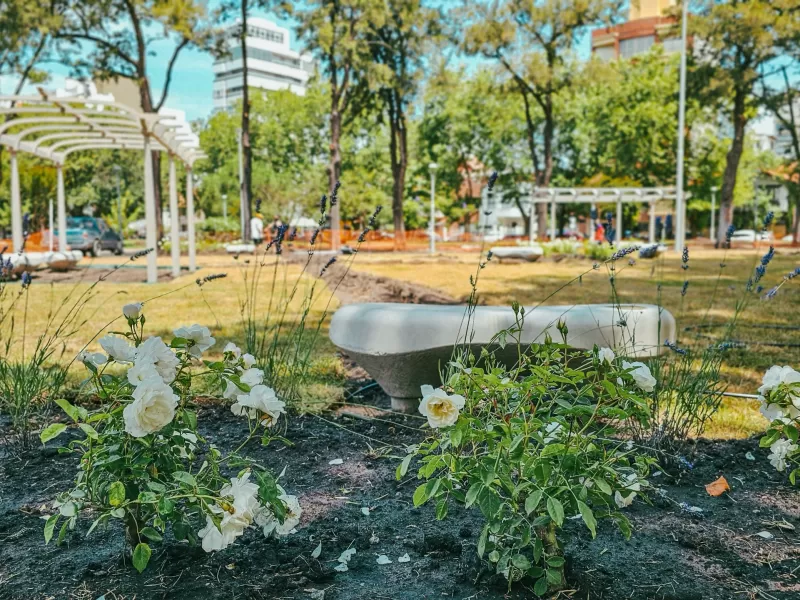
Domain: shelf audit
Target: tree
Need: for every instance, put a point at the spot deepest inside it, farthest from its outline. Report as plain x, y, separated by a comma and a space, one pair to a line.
337, 32
736, 39
110, 39
398, 45
532, 41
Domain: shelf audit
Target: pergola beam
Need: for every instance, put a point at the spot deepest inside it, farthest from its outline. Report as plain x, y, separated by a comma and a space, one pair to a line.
73, 124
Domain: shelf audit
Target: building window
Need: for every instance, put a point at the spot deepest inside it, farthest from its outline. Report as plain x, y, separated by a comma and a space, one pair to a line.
634, 46
605, 52
265, 55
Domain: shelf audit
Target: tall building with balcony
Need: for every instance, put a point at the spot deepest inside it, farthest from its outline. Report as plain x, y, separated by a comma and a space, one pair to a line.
271, 63
648, 24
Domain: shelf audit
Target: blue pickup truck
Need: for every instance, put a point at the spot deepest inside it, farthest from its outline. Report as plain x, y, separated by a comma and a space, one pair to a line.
91, 235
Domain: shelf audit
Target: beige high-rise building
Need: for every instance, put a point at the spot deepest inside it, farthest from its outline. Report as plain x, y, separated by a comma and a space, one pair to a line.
643, 9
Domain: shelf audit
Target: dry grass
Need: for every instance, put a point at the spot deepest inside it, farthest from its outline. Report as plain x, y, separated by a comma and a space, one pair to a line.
710, 299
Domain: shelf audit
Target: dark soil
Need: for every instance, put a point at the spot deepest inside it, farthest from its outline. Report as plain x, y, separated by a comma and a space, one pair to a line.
673, 554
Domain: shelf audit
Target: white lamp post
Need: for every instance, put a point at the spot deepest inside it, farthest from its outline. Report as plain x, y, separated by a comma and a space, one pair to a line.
680, 201
225, 206
432, 225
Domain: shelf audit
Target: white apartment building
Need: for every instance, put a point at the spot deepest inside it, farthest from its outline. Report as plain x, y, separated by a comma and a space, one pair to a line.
272, 65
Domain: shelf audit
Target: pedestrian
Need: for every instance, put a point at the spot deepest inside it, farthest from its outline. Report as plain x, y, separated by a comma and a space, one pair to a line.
257, 229
276, 226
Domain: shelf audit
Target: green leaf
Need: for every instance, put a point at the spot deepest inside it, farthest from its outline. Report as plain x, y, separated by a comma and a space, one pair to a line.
540, 587
157, 487
456, 434
602, 485
482, 540
88, 430
489, 503
101, 519
190, 417
51, 432
420, 495
472, 493
49, 528
791, 433
141, 556
74, 412
555, 561
588, 518
521, 562
151, 534
556, 510
62, 533
554, 576
165, 506
441, 509
184, 477
116, 493
148, 497
402, 468
532, 501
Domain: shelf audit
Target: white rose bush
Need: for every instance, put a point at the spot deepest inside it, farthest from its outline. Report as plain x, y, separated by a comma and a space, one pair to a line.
532, 447
143, 460
779, 395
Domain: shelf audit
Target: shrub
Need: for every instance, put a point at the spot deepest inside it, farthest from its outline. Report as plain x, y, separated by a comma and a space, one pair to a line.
531, 446
143, 460
560, 247
598, 250
780, 404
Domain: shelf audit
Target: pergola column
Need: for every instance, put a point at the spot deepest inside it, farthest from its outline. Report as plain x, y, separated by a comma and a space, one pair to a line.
16, 205
552, 218
592, 224
618, 237
651, 226
190, 219
61, 208
174, 220
150, 213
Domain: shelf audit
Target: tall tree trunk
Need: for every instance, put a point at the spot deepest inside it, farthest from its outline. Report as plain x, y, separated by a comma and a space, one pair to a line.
794, 192
732, 166
155, 156
246, 185
335, 167
547, 171
399, 158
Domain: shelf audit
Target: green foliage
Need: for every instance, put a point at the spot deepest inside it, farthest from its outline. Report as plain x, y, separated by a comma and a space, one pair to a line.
533, 446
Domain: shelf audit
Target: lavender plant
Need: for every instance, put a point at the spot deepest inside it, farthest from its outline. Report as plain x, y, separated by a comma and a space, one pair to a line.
143, 459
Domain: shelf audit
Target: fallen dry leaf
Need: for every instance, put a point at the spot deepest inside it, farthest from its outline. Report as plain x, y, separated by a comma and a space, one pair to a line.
718, 487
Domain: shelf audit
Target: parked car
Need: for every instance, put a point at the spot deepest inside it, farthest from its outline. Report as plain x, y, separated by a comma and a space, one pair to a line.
750, 235
91, 235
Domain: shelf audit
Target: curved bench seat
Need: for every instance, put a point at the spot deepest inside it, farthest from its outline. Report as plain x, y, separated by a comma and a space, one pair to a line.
403, 346
529, 253
240, 248
26, 261
63, 261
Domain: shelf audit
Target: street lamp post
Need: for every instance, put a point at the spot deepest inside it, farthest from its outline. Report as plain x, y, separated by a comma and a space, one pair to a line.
225, 207
432, 225
680, 199
117, 170
713, 210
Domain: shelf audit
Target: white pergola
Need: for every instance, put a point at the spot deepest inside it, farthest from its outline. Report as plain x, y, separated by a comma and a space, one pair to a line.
53, 127
594, 196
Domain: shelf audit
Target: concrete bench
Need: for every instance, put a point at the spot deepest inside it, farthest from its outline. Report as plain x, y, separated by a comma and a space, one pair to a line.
403, 346
26, 262
529, 253
240, 248
63, 261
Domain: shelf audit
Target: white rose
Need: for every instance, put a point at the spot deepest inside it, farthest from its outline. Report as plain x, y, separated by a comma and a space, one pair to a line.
641, 375
232, 391
252, 377
132, 310
776, 376
118, 348
152, 408
440, 407
248, 360
201, 336
261, 398
231, 527
245, 496
269, 523
606, 354
779, 451
142, 371
92, 358
630, 483
771, 412
232, 348
156, 352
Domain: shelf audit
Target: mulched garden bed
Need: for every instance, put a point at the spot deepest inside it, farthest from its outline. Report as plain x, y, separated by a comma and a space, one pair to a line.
675, 553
